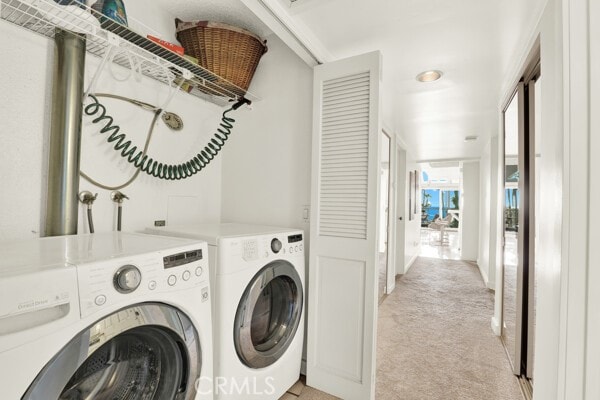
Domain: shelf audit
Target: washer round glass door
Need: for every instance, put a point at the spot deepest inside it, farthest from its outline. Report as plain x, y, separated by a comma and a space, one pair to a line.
268, 315
144, 352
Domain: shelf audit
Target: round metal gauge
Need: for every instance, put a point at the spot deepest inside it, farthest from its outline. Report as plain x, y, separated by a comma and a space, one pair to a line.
172, 120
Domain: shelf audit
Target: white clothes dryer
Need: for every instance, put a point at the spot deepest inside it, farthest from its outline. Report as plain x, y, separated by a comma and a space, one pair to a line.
259, 306
105, 317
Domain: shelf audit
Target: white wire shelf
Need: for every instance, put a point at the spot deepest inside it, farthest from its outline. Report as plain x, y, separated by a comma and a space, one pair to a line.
128, 48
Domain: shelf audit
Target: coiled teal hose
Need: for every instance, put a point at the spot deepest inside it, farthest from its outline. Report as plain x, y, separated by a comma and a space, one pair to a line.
153, 167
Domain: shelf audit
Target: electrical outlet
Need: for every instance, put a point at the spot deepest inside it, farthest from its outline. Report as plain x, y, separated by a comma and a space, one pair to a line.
306, 213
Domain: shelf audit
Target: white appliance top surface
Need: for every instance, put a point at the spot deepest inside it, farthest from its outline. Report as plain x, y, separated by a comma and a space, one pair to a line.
31, 255
212, 232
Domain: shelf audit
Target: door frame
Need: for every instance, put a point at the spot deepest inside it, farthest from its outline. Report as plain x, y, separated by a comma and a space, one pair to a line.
392, 250
400, 196
592, 366
523, 363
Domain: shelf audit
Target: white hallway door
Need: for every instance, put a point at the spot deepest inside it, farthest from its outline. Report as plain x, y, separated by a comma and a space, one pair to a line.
343, 269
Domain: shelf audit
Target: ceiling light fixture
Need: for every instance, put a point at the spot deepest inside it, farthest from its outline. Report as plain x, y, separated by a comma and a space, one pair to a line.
429, 76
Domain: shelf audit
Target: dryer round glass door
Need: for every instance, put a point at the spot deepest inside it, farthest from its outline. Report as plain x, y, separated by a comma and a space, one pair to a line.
268, 315
144, 352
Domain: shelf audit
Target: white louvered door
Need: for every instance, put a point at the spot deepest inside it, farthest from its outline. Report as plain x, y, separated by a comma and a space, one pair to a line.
342, 291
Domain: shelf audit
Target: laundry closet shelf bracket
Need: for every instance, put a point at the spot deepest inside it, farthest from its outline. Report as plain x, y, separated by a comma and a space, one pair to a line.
151, 59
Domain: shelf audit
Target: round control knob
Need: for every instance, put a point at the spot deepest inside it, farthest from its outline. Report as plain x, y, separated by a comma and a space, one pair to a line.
276, 245
127, 279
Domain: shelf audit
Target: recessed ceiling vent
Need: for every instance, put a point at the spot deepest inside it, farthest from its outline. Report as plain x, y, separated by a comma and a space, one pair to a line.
471, 138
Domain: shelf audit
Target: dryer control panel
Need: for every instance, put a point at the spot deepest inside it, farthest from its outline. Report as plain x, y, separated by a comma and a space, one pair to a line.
109, 282
239, 253
269, 245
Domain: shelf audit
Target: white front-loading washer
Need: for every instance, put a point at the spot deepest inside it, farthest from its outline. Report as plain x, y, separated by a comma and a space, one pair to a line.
258, 276
105, 317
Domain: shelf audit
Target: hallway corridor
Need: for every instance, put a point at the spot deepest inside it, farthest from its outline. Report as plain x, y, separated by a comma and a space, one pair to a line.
435, 340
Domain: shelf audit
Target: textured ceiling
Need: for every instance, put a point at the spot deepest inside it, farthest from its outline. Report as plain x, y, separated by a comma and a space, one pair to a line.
475, 43
231, 12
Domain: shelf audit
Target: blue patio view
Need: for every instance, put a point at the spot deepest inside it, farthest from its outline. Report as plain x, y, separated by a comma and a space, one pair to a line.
437, 203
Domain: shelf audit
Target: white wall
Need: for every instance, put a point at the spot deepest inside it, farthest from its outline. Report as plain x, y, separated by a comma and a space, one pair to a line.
483, 259
469, 215
196, 199
494, 218
488, 171
404, 162
400, 192
266, 168
25, 130
578, 213
413, 228
25, 84
392, 222
593, 333
550, 368
551, 190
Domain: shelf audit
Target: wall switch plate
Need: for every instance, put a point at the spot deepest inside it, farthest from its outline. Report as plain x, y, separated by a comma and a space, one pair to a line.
160, 223
306, 213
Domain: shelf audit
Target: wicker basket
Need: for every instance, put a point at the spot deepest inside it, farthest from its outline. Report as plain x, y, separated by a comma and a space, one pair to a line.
231, 53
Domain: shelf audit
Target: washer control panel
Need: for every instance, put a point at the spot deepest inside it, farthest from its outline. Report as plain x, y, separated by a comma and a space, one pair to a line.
116, 280
183, 258
295, 243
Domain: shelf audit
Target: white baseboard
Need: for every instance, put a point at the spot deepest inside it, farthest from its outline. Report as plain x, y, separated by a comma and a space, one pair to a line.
411, 262
484, 276
496, 327
390, 288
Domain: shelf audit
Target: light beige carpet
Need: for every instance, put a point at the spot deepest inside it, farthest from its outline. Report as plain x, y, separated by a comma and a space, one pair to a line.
435, 340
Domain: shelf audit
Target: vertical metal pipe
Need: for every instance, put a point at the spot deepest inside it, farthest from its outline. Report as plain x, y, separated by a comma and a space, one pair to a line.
65, 134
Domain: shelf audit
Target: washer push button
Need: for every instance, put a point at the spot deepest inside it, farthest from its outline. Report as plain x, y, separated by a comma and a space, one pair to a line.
100, 300
172, 280
186, 275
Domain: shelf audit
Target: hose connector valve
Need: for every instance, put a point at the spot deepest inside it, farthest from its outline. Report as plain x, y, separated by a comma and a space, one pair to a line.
87, 198
118, 197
